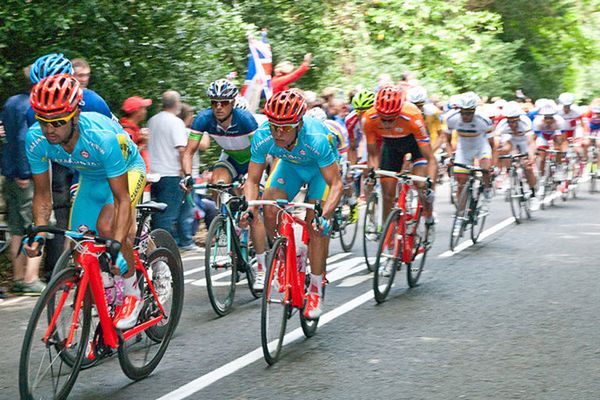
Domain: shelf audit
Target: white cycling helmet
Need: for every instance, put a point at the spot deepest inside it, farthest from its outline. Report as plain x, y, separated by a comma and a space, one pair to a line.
548, 108
241, 102
566, 99
540, 102
417, 94
468, 100
512, 109
317, 113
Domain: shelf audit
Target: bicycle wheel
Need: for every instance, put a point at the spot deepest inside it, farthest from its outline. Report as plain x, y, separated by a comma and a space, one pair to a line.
140, 355
163, 238
4, 237
47, 369
371, 231
422, 244
460, 218
479, 215
348, 224
453, 186
388, 258
515, 196
250, 277
275, 308
221, 266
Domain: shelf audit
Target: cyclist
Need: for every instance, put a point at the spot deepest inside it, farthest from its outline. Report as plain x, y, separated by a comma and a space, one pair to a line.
593, 118
515, 134
431, 114
113, 175
361, 102
474, 140
400, 124
549, 128
305, 156
571, 114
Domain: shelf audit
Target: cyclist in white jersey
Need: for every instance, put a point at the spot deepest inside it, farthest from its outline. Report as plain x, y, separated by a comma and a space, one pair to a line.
515, 136
475, 140
549, 129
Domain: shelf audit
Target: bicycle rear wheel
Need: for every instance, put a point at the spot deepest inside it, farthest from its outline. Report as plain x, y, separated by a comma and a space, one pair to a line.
388, 259
47, 368
163, 238
348, 224
221, 266
479, 215
371, 230
422, 244
140, 355
275, 308
515, 196
460, 218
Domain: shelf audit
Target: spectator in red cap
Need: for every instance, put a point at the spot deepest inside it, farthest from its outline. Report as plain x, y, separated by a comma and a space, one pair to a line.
136, 110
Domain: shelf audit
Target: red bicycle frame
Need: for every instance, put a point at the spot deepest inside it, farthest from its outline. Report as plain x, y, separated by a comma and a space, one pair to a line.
87, 259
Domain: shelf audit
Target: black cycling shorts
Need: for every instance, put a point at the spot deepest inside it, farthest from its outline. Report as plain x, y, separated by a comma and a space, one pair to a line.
394, 150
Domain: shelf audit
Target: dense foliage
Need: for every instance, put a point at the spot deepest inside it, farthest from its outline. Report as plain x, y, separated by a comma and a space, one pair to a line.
143, 47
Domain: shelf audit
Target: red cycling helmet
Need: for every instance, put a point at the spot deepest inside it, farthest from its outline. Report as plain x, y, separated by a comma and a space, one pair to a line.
389, 101
285, 107
56, 94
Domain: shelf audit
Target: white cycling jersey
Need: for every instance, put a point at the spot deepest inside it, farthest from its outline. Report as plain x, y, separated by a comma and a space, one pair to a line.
472, 138
519, 138
547, 129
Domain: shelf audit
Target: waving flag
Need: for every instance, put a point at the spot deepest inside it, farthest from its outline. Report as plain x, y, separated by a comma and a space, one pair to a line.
258, 77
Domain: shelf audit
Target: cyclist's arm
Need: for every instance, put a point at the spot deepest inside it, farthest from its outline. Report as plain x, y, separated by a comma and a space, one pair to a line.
188, 153
42, 199
372, 156
427, 152
331, 174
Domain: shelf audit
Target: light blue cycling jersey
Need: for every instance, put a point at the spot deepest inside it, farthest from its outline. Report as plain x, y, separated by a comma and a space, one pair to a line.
103, 150
313, 147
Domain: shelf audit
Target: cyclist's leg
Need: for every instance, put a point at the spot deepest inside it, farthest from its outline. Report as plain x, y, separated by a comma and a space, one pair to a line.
464, 155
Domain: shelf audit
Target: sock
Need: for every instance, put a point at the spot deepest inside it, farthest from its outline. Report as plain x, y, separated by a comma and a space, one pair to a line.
260, 265
316, 284
130, 287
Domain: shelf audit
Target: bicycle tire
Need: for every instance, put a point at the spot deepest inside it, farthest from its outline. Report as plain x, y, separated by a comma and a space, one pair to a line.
477, 221
271, 298
515, 196
370, 231
220, 295
57, 285
162, 238
348, 229
414, 273
381, 288
250, 277
156, 335
458, 219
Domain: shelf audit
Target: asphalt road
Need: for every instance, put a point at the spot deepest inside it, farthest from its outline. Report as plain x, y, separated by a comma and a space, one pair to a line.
512, 317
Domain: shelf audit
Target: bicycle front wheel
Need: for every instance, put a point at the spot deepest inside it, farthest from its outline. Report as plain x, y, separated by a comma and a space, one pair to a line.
48, 368
388, 257
371, 230
423, 237
515, 196
221, 266
348, 224
275, 308
460, 218
140, 355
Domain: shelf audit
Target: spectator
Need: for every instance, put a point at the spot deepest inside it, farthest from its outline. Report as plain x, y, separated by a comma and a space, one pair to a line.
285, 74
165, 148
18, 192
136, 110
81, 71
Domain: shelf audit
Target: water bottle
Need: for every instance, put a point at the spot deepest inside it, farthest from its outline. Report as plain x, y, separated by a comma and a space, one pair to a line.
301, 248
109, 288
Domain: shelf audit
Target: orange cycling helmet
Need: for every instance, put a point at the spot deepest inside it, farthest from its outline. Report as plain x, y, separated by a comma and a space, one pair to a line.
389, 101
56, 94
285, 107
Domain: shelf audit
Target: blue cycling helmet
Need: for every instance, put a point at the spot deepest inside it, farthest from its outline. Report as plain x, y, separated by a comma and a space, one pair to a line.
222, 89
48, 65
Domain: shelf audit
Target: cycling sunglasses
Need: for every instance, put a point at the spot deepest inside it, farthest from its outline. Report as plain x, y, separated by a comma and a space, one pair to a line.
57, 122
222, 103
285, 128
513, 119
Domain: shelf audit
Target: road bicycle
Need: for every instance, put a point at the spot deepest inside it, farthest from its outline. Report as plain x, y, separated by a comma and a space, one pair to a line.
228, 254
470, 210
287, 279
592, 165
345, 217
405, 237
518, 191
59, 327
550, 180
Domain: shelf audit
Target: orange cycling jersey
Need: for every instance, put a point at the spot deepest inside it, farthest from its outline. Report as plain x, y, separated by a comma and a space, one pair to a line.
409, 122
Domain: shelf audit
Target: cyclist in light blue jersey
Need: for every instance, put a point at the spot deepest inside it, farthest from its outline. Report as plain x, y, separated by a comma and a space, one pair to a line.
111, 169
302, 147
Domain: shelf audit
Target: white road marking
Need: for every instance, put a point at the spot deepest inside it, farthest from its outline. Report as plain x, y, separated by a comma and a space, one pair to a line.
192, 258
191, 271
206, 380
488, 232
14, 300
337, 256
355, 280
350, 267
